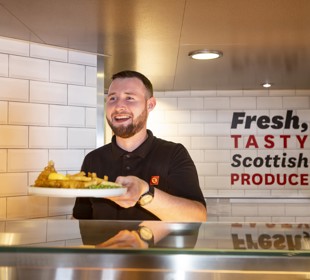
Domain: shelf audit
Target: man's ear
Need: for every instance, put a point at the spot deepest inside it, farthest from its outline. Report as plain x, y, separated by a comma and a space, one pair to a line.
151, 103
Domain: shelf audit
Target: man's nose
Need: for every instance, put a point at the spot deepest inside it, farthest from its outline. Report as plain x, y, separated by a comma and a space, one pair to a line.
120, 105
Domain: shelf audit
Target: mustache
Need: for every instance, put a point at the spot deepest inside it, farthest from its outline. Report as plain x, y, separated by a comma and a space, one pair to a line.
115, 113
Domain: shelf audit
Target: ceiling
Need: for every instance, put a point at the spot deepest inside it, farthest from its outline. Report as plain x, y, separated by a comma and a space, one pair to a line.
262, 40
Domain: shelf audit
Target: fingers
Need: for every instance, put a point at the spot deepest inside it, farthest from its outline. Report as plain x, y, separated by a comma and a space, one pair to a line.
124, 239
125, 180
135, 187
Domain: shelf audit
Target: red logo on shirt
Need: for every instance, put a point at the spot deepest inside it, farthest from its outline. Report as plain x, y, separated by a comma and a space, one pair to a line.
154, 180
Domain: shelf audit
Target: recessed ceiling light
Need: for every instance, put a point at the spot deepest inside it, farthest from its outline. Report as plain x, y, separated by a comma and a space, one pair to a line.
205, 54
266, 85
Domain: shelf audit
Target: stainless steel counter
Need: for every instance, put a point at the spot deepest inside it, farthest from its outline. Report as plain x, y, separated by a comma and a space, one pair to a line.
71, 249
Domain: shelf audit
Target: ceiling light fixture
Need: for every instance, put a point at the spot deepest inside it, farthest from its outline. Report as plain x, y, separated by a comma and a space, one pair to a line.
205, 54
266, 85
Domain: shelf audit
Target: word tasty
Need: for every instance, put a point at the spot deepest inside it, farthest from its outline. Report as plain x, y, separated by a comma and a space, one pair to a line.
288, 122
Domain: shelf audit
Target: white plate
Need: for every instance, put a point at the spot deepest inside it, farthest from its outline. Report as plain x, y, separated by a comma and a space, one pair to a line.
61, 192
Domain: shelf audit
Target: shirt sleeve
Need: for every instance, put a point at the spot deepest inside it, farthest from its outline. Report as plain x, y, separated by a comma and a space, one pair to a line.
183, 177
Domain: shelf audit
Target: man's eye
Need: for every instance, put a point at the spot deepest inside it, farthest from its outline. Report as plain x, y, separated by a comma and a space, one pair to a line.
111, 99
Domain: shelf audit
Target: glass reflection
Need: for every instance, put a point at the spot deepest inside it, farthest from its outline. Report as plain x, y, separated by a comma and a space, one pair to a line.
147, 234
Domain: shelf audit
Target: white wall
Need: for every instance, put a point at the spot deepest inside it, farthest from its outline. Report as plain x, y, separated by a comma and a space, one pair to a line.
47, 112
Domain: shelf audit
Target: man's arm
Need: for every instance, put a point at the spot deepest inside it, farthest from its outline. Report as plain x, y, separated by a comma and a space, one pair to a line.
172, 208
165, 206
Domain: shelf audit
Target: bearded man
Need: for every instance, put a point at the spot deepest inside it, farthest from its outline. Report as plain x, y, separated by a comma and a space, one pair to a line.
160, 176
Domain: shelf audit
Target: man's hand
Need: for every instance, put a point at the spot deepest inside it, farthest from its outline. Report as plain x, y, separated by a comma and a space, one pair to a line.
135, 188
124, 239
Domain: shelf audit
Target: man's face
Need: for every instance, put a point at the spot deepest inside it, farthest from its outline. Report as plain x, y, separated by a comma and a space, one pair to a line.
126, 107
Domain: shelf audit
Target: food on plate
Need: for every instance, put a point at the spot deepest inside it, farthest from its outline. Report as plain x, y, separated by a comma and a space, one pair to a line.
50, 178
57, 176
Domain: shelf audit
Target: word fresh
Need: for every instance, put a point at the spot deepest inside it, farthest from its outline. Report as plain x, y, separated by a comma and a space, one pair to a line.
265, 122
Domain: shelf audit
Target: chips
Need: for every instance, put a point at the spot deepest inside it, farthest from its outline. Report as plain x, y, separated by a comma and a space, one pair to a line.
50, 178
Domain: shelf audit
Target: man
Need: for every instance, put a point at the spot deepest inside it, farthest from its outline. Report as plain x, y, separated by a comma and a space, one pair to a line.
161, 178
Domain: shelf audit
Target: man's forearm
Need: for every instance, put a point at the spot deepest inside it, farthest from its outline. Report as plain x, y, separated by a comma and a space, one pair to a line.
176, 209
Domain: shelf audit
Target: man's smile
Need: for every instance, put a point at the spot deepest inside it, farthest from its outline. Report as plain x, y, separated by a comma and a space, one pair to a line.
119, 118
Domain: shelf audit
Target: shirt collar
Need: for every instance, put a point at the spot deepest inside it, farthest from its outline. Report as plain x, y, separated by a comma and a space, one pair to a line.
141, 151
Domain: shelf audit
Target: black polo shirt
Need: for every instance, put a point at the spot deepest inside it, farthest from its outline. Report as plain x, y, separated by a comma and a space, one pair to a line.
168, 162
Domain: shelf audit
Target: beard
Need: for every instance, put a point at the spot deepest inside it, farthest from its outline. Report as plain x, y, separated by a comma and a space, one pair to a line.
126, 131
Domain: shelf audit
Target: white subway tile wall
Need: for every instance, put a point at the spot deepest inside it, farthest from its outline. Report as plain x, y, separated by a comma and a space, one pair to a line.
48, 137
3, 160
67, 73
68, 116
48, 98
11, 46
28, 113
91, 76
14, 89
13, 136
82, 58
4, 65
82, 96
48, 52
91, 117
28, 68
50, 93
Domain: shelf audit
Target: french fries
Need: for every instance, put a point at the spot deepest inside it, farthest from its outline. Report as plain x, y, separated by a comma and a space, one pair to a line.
49, 178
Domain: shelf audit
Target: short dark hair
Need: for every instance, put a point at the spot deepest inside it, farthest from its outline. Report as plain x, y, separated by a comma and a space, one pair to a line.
134, 74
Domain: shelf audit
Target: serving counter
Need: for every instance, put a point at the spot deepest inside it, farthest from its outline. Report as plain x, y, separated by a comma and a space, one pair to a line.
72, 249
